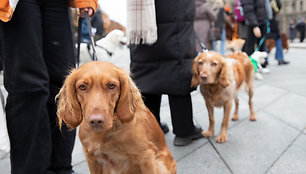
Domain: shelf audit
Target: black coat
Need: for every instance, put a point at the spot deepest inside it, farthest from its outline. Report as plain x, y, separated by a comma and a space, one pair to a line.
254, 12
166, 66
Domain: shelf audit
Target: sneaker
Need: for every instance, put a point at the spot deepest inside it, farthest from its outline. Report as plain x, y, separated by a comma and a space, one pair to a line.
264, 70
183, 141
265, 64
164, 127
258, 76
283, 62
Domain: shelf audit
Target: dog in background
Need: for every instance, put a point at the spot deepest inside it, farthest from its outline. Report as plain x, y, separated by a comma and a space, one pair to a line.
220, 79
236, 44
285, 43
118, 132
107, 46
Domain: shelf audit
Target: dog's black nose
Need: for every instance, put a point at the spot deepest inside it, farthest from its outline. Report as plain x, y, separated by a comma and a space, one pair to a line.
96, 121
204, 77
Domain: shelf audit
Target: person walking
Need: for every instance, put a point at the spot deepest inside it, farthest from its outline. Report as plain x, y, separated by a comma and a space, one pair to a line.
275, 33
164, 67
37, 52
204, 18
292, 30
222, 18
255, 18
301, 26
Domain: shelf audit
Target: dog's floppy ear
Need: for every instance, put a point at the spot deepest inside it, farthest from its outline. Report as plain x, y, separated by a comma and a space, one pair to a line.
224, 75
69, 109
129, 97
195, 77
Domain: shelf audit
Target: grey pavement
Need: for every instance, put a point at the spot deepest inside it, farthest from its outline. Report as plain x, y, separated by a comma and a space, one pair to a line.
274, 144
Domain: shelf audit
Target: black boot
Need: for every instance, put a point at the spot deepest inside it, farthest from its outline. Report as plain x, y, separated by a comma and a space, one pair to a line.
164, 127
183, 141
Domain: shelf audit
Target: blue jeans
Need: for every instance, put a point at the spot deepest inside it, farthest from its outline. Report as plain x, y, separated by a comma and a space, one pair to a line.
221, 50
279, 49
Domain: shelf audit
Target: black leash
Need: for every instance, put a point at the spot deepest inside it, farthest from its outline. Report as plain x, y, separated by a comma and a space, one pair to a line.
204, 49
87, 18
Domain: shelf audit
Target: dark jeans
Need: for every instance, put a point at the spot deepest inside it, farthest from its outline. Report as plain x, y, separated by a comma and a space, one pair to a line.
249, 46
180, 108
37, 52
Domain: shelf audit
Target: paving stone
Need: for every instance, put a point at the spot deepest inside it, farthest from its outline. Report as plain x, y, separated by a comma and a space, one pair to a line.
3, 154
202, 160
253, 146
77, 154
293, 161
179, 152
266, 94
5, 166
291, 109
81, 168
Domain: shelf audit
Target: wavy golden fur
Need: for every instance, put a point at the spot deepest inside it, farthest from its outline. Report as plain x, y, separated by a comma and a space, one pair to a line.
118, 132
220, 79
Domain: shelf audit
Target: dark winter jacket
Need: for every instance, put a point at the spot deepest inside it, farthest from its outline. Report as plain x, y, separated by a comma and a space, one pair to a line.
254, 12
166, 66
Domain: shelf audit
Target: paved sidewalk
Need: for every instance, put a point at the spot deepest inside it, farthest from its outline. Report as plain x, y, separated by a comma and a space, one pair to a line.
276, 143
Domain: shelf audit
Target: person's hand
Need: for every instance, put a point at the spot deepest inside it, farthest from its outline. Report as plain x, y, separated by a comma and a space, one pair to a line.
257, 32
89, 10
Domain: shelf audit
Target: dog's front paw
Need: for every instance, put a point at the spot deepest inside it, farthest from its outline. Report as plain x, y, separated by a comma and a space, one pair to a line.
235, 117
253, 117
208, 133
221, 138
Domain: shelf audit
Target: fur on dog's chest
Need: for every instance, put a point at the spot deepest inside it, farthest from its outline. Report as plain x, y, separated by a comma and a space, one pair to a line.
219, 97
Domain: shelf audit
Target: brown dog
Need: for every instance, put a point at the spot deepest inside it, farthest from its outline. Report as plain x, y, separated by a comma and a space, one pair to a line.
285, 42
220, 79
118, 132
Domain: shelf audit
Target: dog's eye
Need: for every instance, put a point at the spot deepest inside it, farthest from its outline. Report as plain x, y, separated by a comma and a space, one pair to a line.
82, 87
214, 64
111, 86
200, 62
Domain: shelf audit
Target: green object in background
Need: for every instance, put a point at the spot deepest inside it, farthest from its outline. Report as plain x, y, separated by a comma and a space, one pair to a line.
254, 62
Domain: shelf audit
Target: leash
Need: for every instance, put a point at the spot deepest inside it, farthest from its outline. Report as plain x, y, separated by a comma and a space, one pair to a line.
94, 55
204, 49
264, 38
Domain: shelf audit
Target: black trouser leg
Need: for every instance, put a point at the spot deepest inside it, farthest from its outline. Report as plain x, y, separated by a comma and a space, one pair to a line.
152, 101
181, 114
35, 64
59, 58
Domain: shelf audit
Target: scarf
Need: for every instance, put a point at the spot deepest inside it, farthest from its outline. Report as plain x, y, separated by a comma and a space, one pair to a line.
141, 22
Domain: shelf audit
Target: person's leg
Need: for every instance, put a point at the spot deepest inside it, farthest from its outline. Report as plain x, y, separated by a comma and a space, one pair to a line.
26, 80
222, 44
279, 50
152, 101
215, 45
182, 120
279, 56
248, 47
59, 57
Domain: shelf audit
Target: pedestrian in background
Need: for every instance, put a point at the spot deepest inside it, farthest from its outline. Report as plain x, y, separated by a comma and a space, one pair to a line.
37, 54
165, 67
222, 19
204, 18
275, 33
292, 30
255, 18
300, 26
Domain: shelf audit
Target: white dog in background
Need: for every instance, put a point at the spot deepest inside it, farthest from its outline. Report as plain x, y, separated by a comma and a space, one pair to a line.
107, 46
260, 56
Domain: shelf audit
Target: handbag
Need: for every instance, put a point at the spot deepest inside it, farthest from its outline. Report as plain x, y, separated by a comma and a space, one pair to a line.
214, 33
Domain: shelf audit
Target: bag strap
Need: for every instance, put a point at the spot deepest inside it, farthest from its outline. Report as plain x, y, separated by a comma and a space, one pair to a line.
87, 18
